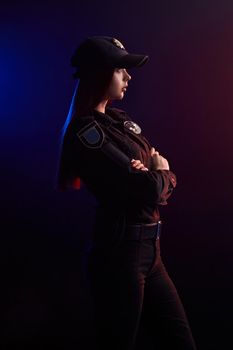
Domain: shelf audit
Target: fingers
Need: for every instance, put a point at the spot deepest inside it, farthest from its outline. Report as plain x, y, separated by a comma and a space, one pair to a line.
138, 165
153, 151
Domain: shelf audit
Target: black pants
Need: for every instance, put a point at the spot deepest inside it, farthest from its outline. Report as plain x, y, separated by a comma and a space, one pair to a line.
132, 291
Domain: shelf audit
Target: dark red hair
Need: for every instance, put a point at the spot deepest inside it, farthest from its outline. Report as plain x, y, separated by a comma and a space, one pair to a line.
91, 91
92, 88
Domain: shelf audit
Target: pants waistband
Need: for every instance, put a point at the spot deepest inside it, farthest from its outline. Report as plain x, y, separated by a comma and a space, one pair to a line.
143, 231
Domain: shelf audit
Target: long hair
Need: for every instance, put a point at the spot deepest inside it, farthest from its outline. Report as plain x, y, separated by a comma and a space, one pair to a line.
90, 90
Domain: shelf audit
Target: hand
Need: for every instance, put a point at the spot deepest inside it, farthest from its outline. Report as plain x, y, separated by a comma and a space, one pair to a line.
138, 165
160, 163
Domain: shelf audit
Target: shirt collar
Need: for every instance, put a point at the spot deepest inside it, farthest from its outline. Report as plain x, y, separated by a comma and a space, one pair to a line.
107, 118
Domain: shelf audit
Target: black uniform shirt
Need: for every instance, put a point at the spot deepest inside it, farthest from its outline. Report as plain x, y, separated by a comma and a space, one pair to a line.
98, 149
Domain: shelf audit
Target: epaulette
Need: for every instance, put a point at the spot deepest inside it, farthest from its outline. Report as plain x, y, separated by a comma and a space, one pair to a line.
120, 113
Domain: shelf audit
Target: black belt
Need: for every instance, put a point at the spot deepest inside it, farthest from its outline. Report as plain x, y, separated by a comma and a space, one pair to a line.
143, 231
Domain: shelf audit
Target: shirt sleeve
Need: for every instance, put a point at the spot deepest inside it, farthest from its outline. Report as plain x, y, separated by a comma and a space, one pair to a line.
169, 182
108, 171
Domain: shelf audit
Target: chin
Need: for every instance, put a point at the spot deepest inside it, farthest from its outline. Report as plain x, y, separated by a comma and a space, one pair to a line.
118, 96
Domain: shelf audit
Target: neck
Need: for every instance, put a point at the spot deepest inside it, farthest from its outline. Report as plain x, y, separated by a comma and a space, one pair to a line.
101, 106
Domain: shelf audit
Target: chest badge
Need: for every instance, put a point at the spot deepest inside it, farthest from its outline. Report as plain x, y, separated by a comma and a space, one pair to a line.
132, 126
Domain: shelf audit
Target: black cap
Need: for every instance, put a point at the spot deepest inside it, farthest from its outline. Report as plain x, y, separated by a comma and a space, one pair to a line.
104, 52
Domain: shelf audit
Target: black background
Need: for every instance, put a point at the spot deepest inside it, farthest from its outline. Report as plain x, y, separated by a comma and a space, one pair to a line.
182, 99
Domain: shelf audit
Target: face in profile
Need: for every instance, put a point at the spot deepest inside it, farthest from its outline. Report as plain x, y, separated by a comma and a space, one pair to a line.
118, 85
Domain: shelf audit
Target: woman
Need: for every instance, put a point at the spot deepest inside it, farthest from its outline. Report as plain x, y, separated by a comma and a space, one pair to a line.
104, 149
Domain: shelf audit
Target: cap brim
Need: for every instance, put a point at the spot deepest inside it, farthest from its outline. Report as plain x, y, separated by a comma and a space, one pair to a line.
131, 61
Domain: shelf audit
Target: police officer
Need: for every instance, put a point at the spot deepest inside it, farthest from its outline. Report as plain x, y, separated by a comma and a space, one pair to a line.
104, 149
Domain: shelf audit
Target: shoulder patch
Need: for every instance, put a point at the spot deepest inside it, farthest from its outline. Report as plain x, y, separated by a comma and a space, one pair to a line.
91, 135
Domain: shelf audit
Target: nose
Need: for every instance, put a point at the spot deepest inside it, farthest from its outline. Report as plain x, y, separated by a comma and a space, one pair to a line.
127, 76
